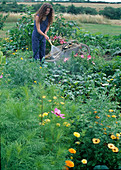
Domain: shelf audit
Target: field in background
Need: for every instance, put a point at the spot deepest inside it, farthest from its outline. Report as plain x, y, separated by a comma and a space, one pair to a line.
98, 6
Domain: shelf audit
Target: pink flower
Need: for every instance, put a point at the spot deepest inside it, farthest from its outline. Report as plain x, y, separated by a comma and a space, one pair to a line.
1, 76
65, 59
93, 63
88, 57
76, 55
55, 37
57, 112
82, 56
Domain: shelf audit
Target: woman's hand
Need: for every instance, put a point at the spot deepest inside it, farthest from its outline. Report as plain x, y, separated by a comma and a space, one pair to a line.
46, 37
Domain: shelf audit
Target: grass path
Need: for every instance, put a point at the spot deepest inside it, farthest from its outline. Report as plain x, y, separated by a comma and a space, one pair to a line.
102, 28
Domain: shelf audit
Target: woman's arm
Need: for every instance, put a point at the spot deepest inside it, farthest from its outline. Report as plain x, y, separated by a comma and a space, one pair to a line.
38, 28
47, 29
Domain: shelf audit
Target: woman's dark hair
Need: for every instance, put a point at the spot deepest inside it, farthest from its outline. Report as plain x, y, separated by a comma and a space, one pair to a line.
42, 11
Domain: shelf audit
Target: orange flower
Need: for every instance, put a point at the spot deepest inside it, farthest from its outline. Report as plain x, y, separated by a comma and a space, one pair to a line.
84, 161
113, 137
69, 163
111, 146
65, 168
71, 150
96, 141
115, 149
97, 117
95, 111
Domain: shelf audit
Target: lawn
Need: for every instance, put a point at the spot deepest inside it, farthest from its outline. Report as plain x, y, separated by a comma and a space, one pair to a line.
101, 28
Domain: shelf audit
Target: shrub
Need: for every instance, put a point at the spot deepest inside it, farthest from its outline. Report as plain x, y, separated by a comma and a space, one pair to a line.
111, 13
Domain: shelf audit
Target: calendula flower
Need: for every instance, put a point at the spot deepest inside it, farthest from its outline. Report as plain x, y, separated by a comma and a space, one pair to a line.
108, 115
114, 116
113, 137
71, 157
43, 97
57, 124
115, 149
40, 67
69, 163
71, 150
97, 117
111, 146
96, 141
65, 123
35, 81
84, 161
65, 168
104, 128
110, 110
13, 53
111, 79
45, 114
57, 112
54, 97
117, 137
27, 48
21, 58
68, 124
77, 142
47, 120
62, 103
118, 134
49, 100
76, 134
95, 111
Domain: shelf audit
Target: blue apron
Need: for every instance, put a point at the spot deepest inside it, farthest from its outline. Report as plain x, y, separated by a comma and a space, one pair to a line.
39, 41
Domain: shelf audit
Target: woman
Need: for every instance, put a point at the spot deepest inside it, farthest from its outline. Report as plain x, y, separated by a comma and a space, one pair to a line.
43, 19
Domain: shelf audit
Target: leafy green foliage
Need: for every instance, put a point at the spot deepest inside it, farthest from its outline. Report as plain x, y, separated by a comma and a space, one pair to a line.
2, 20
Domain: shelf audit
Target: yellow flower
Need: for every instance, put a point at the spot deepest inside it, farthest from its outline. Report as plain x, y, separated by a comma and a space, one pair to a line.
77, 142
35, 81
105, 133
84, 161
40, 115
62, 97
118, 134
47, 120
115, 149
27, 48
13, 53
69, 163
108, 115
43, 97
113, 137
104, 128
96, 141
42, 123
21, 58
49, 100
45, 114
96, 122
76, 134
65, 123
71, 157
111, 146
95, 111
62, 103
40, 67
114, 116
57, 124
71, 150
111, 79
54, 97
97, 117
110, 110
68, 124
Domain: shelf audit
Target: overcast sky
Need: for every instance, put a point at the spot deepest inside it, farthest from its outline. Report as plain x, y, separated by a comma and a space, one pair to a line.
107, 0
